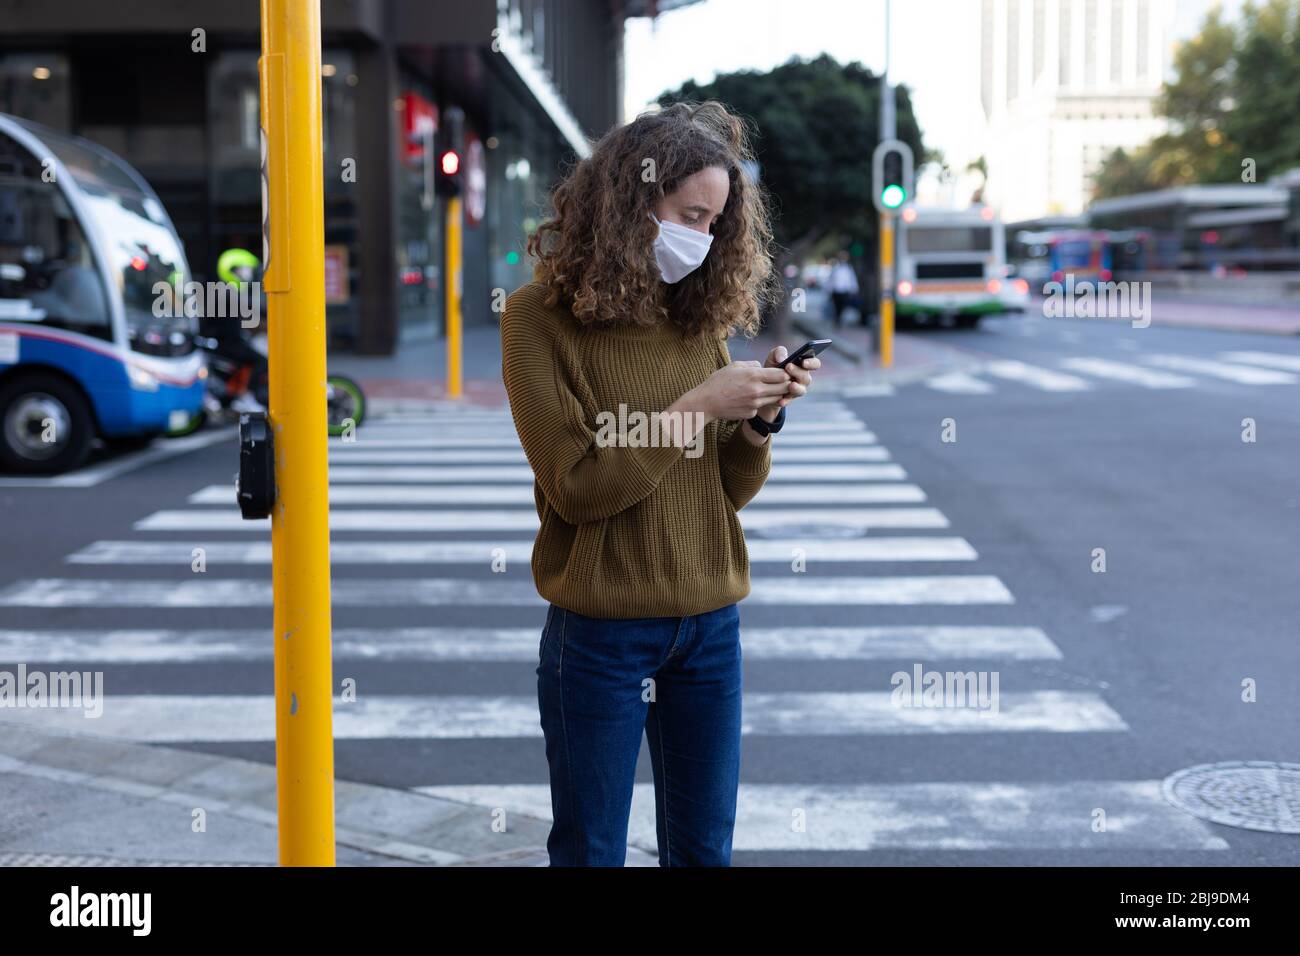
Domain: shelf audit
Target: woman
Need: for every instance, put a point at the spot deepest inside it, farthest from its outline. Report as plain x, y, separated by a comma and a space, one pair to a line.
645, 439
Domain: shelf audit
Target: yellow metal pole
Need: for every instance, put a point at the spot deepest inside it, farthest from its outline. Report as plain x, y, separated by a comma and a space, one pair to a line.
453, 284
886, 289
294, 280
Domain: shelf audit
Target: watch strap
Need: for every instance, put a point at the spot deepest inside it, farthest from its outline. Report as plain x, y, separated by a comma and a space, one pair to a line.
765, 428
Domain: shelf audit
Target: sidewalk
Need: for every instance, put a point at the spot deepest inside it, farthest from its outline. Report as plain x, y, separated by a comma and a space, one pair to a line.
417, 373
1179, 311
418, 370
75, 800
1168, 309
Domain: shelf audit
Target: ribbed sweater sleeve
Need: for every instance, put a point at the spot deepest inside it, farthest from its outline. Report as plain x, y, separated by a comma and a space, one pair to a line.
743, 464
580, 479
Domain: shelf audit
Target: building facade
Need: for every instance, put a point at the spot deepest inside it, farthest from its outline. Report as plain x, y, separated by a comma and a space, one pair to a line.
172, 86
1062, 84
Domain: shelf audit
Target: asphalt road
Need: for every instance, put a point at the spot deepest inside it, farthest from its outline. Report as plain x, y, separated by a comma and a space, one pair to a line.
973, 555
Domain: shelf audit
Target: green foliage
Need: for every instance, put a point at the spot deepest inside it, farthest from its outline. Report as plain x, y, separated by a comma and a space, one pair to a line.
817, 122
1235, 92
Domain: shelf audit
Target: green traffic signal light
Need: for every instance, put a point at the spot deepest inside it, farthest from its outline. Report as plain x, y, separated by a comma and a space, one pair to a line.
893, 196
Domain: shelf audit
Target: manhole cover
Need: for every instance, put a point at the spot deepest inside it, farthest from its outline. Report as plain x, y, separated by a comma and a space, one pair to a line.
1251, 794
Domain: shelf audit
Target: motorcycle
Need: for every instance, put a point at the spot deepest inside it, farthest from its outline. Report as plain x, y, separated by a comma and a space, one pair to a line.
238, 376
239, 381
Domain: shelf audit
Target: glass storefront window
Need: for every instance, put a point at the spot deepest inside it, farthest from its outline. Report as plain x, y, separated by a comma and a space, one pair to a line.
419, 238
34, 86
235, 164
522, 163
339, 82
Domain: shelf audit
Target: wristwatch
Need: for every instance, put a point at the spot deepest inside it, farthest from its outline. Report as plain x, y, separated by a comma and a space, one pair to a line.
764, 428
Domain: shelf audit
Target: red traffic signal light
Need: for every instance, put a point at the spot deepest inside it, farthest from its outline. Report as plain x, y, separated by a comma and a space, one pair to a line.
450, 163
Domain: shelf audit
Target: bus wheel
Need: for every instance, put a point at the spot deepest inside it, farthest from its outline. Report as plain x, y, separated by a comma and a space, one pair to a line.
967, 321
45, 426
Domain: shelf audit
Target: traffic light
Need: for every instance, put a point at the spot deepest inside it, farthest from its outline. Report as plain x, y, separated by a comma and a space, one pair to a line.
891, 170
449, 151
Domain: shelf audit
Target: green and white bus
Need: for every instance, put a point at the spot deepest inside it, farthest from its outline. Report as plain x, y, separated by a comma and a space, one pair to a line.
951, 266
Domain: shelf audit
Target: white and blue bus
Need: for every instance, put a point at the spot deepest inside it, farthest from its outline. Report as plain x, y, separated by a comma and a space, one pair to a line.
88, 347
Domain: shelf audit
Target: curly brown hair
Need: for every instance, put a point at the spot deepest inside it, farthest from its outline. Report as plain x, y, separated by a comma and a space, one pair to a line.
596, 255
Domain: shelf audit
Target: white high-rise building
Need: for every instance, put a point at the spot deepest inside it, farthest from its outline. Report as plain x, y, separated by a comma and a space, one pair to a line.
1062, 84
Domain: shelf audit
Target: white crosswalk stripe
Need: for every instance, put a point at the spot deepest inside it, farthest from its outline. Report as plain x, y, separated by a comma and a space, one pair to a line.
959, 383
1126, 372
403, 520
160, 645
429, 474
1241, 374
505, 435
163, 718
912, 816
835, 499
348, 455
344, 451
1290, 363
518, 494
784, 471
1162, 371
879, 390
433, 592
1032, 375
220, 553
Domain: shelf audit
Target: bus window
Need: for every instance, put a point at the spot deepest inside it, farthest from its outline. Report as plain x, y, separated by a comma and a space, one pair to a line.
949, 239
142, 249
1074, 254
47, 273
142, 253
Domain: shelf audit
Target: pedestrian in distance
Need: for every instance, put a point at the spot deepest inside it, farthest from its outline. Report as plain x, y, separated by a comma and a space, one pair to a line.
844, 287
645, 440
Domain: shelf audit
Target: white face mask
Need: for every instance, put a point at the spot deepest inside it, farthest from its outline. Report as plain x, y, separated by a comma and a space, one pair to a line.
678, 250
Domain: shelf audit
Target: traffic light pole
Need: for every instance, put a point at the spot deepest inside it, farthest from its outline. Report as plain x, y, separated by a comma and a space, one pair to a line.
453, 284
294, 280
888, 131
885, 338
451, 151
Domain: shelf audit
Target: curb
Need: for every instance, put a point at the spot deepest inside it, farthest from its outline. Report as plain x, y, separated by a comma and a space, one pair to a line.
379, 825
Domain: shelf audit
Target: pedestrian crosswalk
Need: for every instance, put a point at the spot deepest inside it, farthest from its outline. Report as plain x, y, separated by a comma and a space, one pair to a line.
960, 817
1157, 371
432, 519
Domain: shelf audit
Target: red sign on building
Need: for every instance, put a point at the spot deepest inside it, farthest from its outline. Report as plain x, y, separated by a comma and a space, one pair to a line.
419, 123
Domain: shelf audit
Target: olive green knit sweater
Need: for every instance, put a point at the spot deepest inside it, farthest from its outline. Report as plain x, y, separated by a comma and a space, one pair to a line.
627, 530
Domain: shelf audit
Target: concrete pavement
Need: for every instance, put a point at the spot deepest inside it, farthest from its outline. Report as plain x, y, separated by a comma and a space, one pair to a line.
77, 800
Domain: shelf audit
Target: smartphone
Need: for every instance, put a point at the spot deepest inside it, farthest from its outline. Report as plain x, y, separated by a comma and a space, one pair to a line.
807, 350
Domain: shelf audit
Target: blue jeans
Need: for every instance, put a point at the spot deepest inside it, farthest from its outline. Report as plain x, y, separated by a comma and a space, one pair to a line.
600, 684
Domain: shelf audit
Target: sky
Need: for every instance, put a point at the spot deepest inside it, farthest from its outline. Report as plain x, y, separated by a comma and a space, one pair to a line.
935, 51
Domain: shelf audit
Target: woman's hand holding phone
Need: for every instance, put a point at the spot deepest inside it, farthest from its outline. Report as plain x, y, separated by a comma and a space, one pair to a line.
742, 390
800, 375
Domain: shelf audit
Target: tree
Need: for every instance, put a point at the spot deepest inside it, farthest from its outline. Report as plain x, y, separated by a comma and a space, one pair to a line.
1257, 119
1235, 89
817, 123
979, 165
